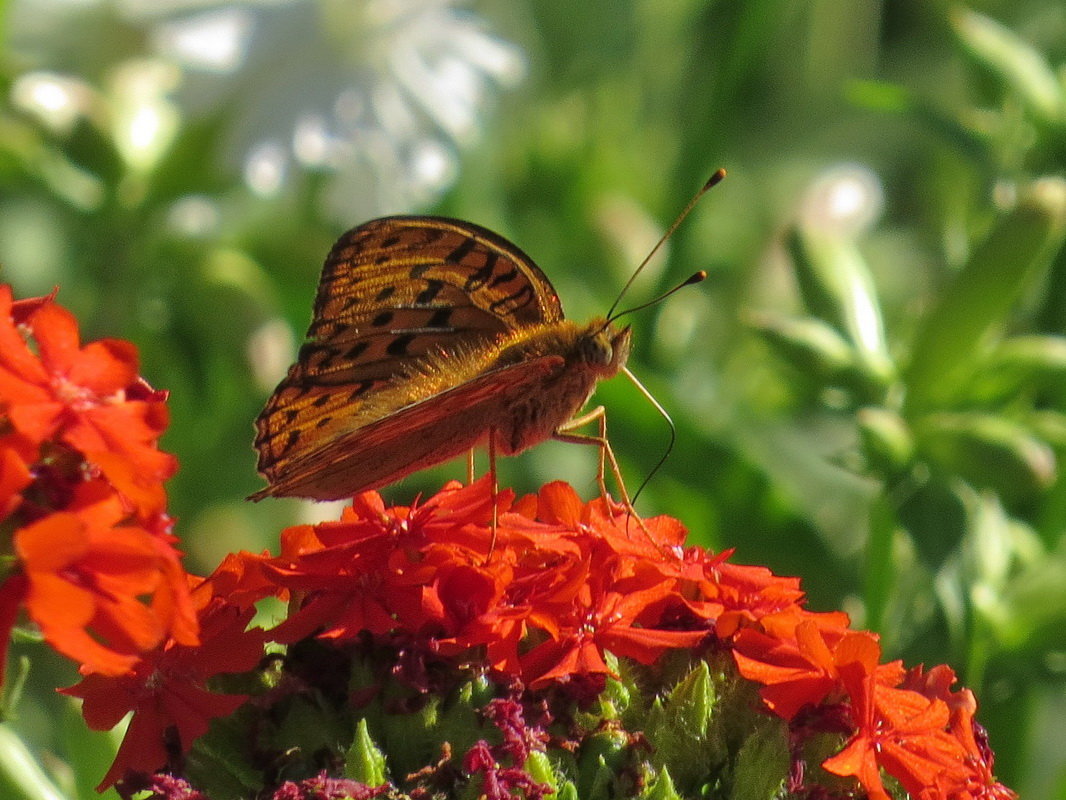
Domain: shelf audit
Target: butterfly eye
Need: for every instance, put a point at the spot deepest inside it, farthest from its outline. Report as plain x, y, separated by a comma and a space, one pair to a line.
596, 350
620, 347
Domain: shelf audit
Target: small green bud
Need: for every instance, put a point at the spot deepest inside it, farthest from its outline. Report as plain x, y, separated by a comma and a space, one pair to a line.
988, 450
837, 287
886, 440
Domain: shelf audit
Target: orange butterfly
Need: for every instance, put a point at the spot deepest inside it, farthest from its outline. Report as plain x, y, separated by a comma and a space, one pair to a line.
430, 336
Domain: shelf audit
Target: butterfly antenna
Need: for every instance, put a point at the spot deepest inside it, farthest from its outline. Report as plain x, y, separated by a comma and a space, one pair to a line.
673, 431
715, 179
695, 277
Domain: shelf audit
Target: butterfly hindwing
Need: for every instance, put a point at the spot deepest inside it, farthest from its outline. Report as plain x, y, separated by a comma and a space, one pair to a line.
416, 436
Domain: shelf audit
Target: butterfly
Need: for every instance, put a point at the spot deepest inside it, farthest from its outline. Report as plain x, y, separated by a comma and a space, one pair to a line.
428, 335
431, 336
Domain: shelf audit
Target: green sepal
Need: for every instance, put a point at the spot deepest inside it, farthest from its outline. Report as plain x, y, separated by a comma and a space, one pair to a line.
364, 761
539, 767
661, 788
601, 761
762, 764
684, 727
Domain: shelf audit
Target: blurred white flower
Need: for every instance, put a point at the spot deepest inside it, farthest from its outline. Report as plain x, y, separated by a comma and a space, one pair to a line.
57, 100
845, 199
376, 94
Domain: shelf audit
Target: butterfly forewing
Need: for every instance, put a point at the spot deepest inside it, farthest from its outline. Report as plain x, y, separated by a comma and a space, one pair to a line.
393, 290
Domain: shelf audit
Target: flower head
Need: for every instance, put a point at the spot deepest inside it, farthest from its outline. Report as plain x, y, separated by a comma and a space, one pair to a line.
81, 493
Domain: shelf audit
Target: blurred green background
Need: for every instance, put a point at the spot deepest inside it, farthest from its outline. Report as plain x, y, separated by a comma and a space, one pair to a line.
869, 390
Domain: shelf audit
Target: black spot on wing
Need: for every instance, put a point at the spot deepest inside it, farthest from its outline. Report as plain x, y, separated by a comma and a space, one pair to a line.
427, 295
504, 277
294, 437
457, 255
440, 319
399, 345
479, 278
513, 302
356, 350
361, 388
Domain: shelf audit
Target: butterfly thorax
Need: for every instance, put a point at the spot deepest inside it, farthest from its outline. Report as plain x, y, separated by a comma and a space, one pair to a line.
584, 355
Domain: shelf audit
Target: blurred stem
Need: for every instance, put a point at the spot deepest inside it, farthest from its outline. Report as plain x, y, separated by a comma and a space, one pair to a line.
21, 777
879, 574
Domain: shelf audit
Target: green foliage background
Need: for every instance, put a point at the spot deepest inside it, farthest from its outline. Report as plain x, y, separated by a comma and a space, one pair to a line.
877, 406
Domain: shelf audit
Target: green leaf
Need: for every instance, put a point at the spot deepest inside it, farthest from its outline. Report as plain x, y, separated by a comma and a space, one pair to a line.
1013, 60
891, 98
836, 286
880, 572
1019, 365
978, 300
21, 776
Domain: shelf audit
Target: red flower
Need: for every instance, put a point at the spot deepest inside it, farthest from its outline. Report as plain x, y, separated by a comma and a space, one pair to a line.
85, 577
166, 689
89, 398
898, 730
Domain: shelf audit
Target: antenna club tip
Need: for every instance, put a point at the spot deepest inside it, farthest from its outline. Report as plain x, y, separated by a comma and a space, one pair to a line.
697, 277
715, 179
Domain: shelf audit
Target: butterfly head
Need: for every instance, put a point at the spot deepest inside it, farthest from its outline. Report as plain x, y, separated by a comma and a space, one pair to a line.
604, 348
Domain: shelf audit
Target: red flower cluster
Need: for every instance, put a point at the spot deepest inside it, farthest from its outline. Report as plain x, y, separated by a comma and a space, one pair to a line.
81, 494
562, 582
909, 724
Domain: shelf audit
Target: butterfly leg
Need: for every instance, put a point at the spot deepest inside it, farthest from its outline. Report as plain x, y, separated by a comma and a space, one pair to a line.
567, 433
495, 488
470, 466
